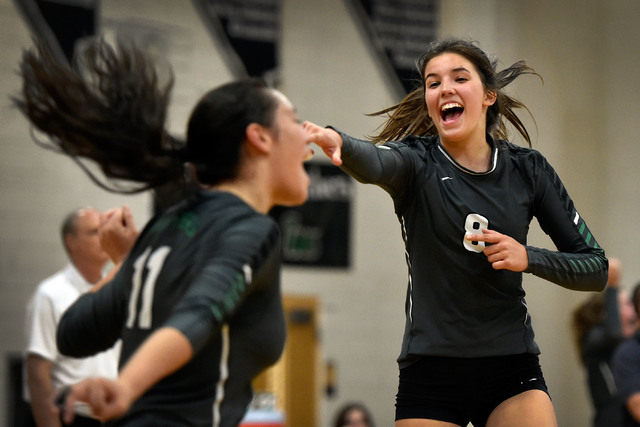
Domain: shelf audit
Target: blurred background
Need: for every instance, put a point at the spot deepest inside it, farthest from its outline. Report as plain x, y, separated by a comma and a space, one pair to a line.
335, 60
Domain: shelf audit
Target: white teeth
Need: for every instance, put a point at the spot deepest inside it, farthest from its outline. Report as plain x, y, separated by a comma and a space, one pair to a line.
450, 105
309, 155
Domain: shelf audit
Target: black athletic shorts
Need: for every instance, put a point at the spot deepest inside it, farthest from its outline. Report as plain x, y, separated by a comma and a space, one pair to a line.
461, 390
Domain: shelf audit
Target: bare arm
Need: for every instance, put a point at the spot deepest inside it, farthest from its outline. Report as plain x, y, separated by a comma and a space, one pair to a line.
633, 405
163, 353
41, 390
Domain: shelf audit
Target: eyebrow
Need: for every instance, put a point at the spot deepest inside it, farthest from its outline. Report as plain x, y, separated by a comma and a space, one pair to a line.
455, 70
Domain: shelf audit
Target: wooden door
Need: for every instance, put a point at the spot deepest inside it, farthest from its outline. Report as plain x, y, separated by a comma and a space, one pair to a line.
295, 378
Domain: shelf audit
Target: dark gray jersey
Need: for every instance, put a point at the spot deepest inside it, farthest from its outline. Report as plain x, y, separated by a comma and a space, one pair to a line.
457, 304
209, 267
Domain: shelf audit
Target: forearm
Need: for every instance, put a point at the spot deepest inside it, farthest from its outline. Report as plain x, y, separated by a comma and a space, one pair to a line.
368, 163
92, 324
163, 353
576, 271
633, 405
41, 391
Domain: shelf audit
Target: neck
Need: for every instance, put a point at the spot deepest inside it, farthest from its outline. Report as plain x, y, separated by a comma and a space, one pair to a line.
91, 272
249, 193
475, 156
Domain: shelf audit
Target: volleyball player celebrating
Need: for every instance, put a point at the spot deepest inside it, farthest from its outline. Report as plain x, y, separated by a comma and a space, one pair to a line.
197, 302
465, 198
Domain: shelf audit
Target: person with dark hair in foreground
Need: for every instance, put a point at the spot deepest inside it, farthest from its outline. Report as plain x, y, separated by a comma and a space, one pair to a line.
197, 301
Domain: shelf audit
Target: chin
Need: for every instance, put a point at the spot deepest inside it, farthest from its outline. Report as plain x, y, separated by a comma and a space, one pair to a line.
296, 198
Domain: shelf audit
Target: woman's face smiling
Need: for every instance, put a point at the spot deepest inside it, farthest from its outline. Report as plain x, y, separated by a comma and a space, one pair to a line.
456, 98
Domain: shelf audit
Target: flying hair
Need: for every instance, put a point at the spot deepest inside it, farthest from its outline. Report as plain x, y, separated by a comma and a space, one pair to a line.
410, 116
108, 107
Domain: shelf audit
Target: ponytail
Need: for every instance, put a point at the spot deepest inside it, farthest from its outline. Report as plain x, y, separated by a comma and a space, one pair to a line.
109, 108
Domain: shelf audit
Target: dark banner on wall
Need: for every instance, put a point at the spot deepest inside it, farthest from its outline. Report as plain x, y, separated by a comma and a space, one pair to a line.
318, 232
399, 31
61, 23
248, 32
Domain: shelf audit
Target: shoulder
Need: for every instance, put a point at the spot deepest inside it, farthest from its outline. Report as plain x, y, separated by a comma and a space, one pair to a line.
415, 142
528, 159
54, 285
518, 151
226, 216
419, 145
628, 351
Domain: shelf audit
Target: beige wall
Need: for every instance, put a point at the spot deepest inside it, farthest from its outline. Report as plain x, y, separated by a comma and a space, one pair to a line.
586, 117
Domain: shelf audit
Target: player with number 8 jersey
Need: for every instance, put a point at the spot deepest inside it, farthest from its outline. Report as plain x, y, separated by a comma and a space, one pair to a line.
457, 302
465, 197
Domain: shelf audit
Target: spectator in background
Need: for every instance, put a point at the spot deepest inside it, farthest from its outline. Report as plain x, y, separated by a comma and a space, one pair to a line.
46, 369
353, 414
600, 324
626, 370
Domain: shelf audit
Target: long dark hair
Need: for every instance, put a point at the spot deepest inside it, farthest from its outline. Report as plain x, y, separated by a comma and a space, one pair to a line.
410, 116
111, 108
585, 317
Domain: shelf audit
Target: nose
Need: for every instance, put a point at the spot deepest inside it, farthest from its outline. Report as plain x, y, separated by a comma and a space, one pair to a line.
446, 91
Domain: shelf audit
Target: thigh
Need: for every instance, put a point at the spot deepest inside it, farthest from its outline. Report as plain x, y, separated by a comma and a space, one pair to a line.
532, 408
504, 377
416, 422
433, 392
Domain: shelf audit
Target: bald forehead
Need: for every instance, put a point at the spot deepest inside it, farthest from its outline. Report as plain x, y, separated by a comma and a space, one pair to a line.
81, 218
282, 99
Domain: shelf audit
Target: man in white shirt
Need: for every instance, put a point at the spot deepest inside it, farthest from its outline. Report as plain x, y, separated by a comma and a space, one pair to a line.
47, 370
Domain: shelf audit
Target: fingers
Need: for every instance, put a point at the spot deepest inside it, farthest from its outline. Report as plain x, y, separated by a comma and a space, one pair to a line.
98, 394
328, 139
69, 398
118, 233
489, 236
502, 251
129, 222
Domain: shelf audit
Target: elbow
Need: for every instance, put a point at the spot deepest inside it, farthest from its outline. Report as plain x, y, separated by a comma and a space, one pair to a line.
597, 283
67, 345
61, 342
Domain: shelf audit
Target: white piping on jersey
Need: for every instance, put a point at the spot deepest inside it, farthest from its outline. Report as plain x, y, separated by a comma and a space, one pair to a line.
605, 370
406, 254
526, 315
224, 374
576, 218
494, 162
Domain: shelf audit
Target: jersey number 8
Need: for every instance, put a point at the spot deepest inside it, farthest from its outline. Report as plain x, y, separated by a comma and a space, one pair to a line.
474, 224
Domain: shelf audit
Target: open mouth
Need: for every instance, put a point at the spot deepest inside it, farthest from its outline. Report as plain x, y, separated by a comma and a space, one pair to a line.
451, 111
309, 155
